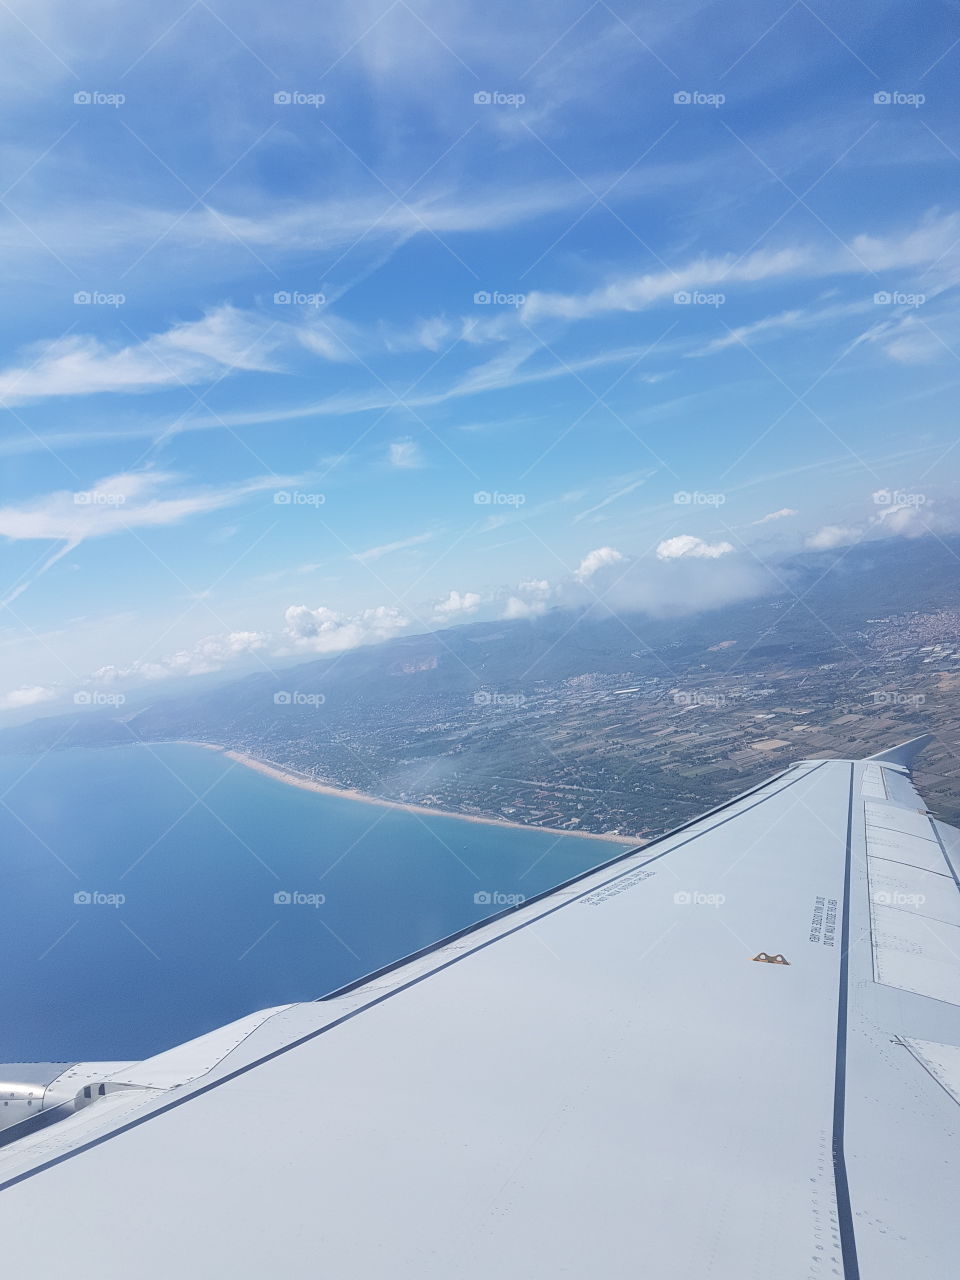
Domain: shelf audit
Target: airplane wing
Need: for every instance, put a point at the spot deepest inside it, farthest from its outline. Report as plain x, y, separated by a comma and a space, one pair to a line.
733, 1053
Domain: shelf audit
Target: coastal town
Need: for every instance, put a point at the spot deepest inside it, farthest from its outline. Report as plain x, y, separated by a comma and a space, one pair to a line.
621, 726
632, 755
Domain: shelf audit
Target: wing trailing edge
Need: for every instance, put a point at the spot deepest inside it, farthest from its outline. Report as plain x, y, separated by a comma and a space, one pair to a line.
906, 752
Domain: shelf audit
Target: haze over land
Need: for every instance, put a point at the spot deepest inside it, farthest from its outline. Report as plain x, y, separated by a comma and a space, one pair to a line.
598, 722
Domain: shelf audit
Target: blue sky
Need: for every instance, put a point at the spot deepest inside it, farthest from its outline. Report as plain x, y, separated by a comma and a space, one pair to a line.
325, 326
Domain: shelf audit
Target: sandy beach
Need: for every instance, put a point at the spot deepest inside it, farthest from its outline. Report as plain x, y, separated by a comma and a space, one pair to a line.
295, 779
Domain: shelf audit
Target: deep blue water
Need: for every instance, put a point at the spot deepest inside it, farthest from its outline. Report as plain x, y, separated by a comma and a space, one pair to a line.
199, 939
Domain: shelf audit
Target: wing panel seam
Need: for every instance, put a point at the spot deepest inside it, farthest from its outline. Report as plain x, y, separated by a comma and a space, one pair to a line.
312, 1035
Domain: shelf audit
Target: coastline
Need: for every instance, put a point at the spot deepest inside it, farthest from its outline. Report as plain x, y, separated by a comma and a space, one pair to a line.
293, 778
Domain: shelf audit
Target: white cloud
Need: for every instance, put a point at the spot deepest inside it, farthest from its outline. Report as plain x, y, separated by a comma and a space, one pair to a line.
212, 653
29, 696
686, 545
935, 236
457, 605
908, 520
288, 227
117, 504
613, 497
833, 535
900, 515
319, 630
327, 338
768, 326
323, 630
634, 293
195, 351
680, 585
931, 241
782, 514
517, 608
405, 454
593, 561
915, 343
530, 600
374, 553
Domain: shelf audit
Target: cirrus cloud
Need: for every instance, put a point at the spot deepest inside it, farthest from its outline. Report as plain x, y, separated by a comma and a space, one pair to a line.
118, 504
782, 514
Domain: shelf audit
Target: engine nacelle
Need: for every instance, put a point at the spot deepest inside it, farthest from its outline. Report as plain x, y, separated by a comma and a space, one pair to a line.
69, 1086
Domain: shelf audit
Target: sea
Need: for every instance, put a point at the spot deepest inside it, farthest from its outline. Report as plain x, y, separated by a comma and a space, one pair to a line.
153, 892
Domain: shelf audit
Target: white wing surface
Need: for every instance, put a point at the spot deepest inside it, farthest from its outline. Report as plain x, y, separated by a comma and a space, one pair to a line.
734, 1053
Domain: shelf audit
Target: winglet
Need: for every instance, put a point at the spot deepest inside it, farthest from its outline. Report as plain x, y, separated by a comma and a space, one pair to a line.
906, 753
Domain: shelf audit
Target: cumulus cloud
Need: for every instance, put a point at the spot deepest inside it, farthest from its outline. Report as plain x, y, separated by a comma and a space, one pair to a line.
596, 560
530, 600
833, 535
28, 696
674, 587
319, 630
457, 605
900, 515
517, 608
323, 630
909, 519
212, 653
686, 545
